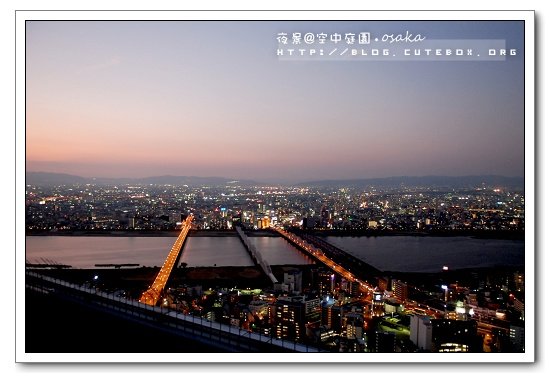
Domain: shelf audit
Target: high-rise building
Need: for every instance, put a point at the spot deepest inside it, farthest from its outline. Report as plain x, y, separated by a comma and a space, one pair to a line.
331, 315
378, 304
325, 216
519, 306
261, 207
312, 310
519, 280
288, 318
517, 337
354, 288
421, 332
400, 290
293, 279
352, 339
353, 326
325, 281
293, 314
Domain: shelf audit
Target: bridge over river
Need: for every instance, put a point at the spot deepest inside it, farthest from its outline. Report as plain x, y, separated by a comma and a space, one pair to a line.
330, 258
153, 294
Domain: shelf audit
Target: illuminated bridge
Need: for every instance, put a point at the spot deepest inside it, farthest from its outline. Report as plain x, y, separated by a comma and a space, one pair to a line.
349, 262
318, 254
153, 294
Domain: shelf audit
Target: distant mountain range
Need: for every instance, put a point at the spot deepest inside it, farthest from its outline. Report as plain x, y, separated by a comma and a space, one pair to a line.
424, 181
52, 179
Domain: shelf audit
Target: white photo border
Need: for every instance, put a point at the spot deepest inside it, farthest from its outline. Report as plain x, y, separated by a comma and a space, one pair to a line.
529, 56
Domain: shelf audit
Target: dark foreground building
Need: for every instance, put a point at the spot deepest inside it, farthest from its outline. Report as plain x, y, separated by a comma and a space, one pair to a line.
54, 325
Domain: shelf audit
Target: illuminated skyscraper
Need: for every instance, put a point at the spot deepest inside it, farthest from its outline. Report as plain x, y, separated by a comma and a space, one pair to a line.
400, 290
378, 304
293, 314
325, 282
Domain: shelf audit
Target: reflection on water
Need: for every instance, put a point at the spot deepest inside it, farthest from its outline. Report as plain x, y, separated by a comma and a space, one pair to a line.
85, 252
215, 251
277, 251
395, 253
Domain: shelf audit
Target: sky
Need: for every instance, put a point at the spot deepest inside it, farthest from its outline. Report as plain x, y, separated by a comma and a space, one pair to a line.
212, 98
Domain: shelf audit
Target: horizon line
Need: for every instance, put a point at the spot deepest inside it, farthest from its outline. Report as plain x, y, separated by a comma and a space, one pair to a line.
276, 179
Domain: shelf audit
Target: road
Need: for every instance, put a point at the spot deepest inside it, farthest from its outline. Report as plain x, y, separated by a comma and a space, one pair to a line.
319, 255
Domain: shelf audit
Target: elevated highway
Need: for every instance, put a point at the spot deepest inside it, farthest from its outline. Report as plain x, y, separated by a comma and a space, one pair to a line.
320, 256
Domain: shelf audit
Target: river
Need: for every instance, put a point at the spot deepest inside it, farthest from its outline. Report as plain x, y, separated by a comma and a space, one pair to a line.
430, 254
393, 253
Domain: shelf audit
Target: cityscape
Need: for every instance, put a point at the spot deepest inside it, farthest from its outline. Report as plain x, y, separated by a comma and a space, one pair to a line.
160, 207
336, 302
191, 190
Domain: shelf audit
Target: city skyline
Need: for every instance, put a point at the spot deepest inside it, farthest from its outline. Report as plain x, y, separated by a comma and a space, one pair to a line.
138, 99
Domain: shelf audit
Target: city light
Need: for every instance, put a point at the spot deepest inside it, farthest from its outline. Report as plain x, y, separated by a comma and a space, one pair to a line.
281, 213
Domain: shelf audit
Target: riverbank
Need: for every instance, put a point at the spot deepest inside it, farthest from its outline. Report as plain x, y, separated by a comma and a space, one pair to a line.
478, 234
132, 233
136, 280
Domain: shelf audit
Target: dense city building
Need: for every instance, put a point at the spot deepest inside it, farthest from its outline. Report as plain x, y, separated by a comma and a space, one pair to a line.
322, 304
160, 207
